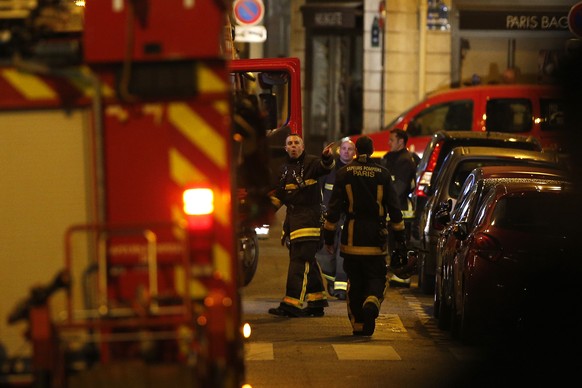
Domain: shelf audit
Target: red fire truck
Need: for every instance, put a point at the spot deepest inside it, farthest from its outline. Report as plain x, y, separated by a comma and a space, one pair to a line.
135, 158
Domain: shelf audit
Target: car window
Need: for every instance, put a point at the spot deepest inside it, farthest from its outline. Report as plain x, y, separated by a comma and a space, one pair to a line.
460, 175
465, 203
451, 116
509, 115
528, 213
482, 210
552, 112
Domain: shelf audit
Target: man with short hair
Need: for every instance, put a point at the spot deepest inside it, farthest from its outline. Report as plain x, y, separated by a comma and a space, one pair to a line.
299, 191
364, 192
401, 164
332, 263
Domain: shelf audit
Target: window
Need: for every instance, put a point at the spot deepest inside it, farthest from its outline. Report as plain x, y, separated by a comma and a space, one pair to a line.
450, 116
509, 115
552, 112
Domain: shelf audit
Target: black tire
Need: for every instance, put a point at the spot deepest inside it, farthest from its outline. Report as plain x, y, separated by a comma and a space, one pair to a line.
248, 255
426, 281
445, 311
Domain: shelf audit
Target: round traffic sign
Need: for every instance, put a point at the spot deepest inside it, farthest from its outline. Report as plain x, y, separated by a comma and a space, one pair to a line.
575, 19
248, 12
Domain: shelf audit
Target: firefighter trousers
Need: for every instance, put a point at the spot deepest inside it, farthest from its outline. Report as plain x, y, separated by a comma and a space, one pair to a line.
366, 284
304, 280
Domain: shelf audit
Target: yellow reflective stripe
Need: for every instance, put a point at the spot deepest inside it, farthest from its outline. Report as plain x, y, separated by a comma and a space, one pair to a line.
222, 107
222, 262
208, 140
305, 232
362, 250
293, 186
86, 88
329, 277
328, 186
304, 285
30, 86
182, 171
313, 296
350, 195
292, 301
372, 299
209, 82
350, 232
340, 285
379, 198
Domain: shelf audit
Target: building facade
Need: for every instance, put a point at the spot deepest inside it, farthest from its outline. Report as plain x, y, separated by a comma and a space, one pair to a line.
364, 62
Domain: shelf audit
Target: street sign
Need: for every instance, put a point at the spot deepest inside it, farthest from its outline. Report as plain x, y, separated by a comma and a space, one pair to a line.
575, 19
248, 12
252, 34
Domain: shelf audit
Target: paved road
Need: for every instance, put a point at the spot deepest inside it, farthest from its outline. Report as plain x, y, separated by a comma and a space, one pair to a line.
407, 349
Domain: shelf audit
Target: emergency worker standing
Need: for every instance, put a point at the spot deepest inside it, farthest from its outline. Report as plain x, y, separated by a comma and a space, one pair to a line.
299, 191
332, 263
364, 192
401, 164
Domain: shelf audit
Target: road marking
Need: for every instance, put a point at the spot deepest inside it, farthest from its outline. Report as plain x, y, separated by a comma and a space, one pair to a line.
365, 352
259, 351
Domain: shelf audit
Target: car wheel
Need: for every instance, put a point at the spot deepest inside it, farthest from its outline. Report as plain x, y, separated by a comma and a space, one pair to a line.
426, 281
445, 313
248, 255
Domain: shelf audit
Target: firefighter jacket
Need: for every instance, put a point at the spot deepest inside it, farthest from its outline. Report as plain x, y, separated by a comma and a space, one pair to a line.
327, 182
364, 192
298, 189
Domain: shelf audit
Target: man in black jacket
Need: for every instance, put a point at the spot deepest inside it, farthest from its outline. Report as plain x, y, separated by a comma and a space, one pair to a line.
299, 191
401, 164
364, 192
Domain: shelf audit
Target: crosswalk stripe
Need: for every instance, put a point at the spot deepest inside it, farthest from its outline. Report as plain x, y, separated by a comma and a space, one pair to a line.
263, 351
366, 352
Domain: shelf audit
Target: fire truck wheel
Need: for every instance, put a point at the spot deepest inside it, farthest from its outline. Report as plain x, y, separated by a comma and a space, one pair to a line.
248, 255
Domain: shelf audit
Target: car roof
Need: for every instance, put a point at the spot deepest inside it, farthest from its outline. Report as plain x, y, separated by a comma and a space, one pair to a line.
467, 152
513, 88
518, 171
454, 135
504, 187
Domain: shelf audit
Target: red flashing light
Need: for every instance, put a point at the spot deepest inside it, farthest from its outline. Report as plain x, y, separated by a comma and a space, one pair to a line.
199, 208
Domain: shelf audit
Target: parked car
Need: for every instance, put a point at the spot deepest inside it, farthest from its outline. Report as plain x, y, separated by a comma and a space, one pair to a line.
533, 110
506, 251
455, 169
441, 143
474, 190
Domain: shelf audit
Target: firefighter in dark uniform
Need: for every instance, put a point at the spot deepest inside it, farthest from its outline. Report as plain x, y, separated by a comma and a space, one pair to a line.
401, 163
364, 192
299, 191
332, 265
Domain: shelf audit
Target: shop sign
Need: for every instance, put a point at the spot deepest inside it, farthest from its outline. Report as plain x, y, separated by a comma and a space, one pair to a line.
513, 20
